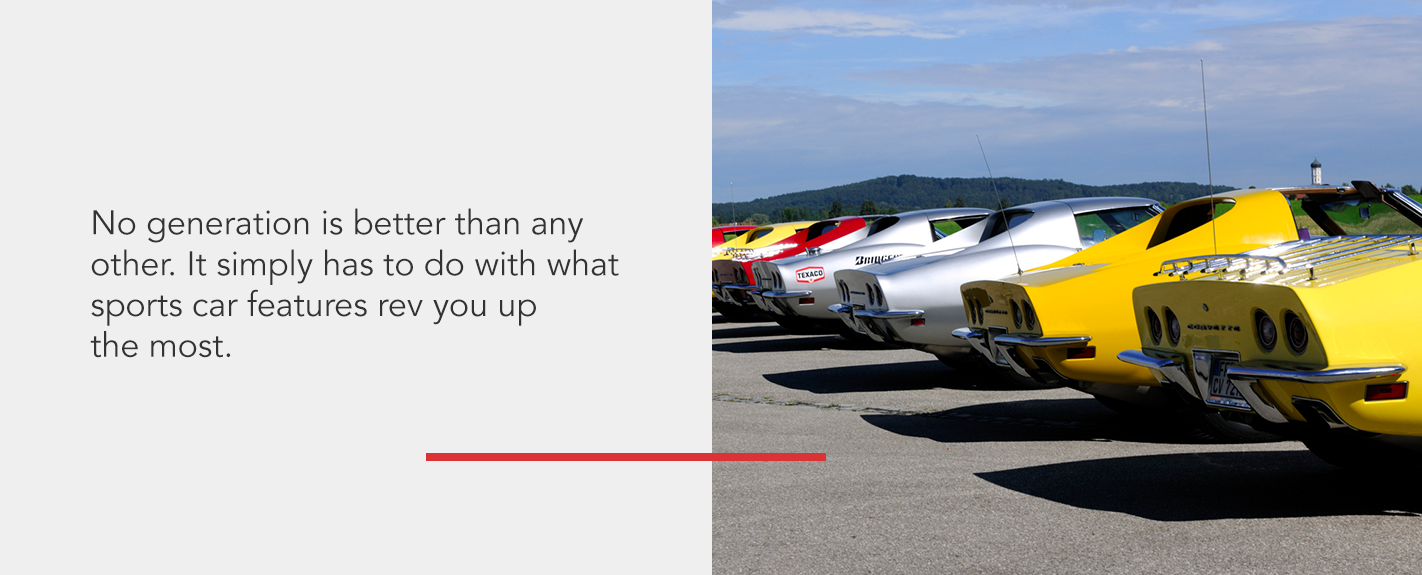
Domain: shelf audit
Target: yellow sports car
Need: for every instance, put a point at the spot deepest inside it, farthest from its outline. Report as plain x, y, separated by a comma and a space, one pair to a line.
1309, 339
760, 238
1065, 323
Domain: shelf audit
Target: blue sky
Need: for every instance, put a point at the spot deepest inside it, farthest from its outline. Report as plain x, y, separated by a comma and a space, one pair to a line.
808, 95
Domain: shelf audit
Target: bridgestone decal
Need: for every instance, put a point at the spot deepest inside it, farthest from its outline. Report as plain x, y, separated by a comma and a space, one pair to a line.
870, 260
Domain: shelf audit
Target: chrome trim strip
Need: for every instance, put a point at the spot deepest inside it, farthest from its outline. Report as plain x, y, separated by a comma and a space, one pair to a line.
983, 342
1257, 403
901, 314
1033, 341
977, 340
1172, 370
760, 301
785, 294
1010, 356
966, 333
1322, 410
1135, 357
846, 314
1335, 375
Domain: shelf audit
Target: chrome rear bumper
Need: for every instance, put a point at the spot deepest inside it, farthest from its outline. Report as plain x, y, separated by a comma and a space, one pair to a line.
1170, 369
785, 294
846, 313
723, 293
771, 300
997, 347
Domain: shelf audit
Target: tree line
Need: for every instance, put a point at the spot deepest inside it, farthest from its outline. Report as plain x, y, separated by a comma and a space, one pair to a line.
893, 194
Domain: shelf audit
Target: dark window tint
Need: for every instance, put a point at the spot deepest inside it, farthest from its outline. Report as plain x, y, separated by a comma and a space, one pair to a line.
882, 224
1001, 224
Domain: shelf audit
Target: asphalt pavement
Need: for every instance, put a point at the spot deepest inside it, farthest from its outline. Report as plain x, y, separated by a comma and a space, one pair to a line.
934, 471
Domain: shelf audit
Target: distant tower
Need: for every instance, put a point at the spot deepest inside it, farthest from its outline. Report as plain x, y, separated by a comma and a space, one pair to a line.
1317, 172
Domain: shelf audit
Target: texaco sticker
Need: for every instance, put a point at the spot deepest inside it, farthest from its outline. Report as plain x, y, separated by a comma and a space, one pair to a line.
809, 275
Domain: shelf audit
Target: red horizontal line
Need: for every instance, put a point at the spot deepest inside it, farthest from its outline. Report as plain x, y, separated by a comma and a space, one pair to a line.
624, 457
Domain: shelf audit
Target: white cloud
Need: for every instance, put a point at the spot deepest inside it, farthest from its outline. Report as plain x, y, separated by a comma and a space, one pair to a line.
1278, 92
830, 22
1244, 64
994, 99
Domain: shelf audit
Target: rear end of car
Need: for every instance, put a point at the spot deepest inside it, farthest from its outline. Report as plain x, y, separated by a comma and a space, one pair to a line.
1316, 334
1050, 331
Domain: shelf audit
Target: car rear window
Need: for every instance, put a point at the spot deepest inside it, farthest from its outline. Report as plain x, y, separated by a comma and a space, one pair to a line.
1354, 217
820, 229
1003, 221
1189, 218
1096, 227
882, 224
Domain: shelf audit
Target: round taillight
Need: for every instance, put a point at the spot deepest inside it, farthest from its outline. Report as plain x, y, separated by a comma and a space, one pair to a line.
1172, 323
1153, 321
1029, 315
1265, 329
1016, 314
1298, 334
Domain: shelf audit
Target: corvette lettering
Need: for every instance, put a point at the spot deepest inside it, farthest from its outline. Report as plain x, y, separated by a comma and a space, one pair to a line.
809, 275
869, 260
1212, 327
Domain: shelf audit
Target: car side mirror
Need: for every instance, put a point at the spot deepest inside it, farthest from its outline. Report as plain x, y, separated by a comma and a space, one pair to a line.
1365, 211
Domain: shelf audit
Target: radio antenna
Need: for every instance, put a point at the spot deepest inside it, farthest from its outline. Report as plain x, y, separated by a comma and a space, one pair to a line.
1007, 224
1205, 104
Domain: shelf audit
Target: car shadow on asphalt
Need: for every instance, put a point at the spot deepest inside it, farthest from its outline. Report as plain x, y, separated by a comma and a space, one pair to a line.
809, 343
1211, 486
901, 376
1039, 420
765, 329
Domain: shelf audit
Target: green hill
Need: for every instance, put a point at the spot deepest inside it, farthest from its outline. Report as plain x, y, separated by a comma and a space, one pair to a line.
893, 194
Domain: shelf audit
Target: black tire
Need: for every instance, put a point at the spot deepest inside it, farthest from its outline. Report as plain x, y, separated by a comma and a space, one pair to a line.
1199, 423
798, 324
1226, 427
976, 366
846, 332
733, 312
969, 364
1127, 408
1362, 454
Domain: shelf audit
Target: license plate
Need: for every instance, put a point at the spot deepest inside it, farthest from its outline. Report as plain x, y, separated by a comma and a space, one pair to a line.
1222, 391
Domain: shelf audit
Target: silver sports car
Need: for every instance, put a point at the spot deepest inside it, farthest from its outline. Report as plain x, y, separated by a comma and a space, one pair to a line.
916, 302
803, 286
